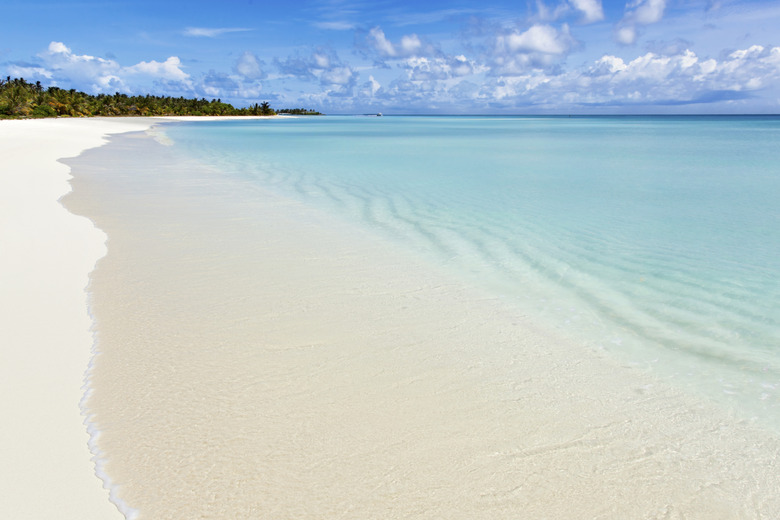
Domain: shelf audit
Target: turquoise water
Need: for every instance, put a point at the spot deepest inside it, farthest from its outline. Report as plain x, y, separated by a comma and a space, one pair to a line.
656, 239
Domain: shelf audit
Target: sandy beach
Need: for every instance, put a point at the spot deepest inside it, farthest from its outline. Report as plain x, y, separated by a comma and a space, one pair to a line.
45, 338
259, 359
45, 328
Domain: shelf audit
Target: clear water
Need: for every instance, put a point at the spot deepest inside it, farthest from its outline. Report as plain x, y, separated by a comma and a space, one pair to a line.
654, 238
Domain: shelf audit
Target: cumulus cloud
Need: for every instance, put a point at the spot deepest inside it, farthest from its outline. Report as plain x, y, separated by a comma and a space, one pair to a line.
96, 73
607, 65
249, 66
653, 79
380, 43
221, 85
409, 45
93, 74
216, 84
421, 61
649, 80
341, 76
538, 46
638, 13
370, 87
21, 70
588, 11
411, 93
168, 70
440, 68
591, 10
543, 39
646, 12
323, 65
681, 78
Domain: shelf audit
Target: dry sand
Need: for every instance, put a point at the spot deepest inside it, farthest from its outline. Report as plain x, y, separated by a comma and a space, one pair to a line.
46, 255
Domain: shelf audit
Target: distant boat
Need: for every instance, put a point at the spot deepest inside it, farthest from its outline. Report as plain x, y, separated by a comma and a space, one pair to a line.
379, 114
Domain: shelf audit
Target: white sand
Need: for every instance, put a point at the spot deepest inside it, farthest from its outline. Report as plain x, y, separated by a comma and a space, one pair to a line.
46, 254
316, 374
259, 358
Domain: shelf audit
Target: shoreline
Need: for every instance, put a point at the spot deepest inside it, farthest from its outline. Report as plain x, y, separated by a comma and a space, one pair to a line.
260, 358
351, 381
46, 330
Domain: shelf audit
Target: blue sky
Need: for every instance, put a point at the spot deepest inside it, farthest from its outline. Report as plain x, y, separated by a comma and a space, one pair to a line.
424, 56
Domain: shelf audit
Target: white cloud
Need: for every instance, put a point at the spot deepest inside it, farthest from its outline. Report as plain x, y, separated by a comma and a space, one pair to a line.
588, 11
168, 70
753, 52
206, 32
410, 45
608, 65
638, 13
59, 48
248, 66
650, 80
625, 34
25, 71
337, 76
672, 78
548, 15
372, 85
93, 72
381, 43
539, 38
96, 75
60, 55
440, 68
323, 65
682, 77
335, 26
591, 10
537, 47
648, 11
321, 60
220, 85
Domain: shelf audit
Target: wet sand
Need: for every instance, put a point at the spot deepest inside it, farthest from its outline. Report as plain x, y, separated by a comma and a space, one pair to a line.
260, 359
46, 255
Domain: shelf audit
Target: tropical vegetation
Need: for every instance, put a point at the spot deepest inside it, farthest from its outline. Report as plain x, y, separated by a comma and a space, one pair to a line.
299, 112
21, 99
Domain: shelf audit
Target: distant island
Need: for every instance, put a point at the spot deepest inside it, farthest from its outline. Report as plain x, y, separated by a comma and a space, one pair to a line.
21, 99
299, 112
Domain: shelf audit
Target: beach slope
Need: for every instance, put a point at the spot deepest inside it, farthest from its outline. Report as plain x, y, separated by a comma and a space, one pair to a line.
262, 358
46, 255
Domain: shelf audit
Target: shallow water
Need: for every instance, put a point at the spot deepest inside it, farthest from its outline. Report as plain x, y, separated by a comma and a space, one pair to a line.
275, 354
655, 238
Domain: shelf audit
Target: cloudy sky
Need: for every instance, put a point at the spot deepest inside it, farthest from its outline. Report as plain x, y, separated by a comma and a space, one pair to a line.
401, 56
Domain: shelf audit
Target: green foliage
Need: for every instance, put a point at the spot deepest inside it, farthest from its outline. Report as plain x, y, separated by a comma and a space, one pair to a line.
43, 111
18, 98
299, 112
263, 109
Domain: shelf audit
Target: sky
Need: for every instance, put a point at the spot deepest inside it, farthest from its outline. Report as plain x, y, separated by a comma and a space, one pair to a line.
410, 57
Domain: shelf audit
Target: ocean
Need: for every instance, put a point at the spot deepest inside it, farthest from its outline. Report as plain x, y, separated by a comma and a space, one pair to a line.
656, 239
436, 317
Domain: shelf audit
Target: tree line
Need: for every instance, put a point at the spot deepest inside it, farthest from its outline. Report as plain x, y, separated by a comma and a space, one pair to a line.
21, 99
299, 111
